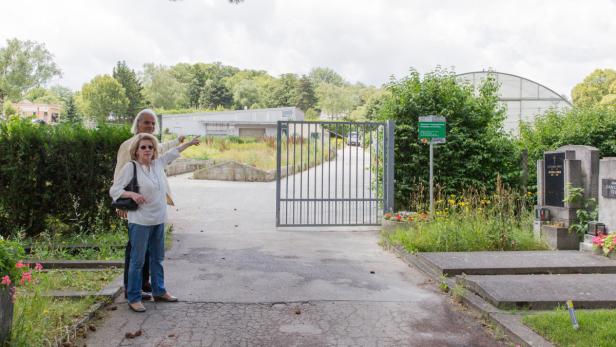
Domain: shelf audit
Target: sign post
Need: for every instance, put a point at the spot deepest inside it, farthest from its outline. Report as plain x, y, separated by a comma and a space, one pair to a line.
432, 131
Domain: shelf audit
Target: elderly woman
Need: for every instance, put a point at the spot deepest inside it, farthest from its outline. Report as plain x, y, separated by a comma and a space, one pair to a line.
146, 225
145, 122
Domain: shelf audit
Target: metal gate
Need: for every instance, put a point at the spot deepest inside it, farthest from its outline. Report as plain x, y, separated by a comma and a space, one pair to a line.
333, 173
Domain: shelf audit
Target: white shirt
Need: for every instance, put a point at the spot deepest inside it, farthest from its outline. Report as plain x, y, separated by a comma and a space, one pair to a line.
124, 157
152, 185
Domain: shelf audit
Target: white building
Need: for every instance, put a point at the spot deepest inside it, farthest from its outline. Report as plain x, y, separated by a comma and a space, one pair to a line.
524, 99
252, 123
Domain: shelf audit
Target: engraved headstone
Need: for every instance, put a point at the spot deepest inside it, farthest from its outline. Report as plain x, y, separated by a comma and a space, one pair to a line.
554, 179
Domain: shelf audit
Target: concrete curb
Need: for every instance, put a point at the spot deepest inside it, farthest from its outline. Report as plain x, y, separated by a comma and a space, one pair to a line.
106, 295
78, 264
511, 324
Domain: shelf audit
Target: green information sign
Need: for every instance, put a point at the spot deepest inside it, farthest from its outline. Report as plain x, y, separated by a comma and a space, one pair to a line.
431, 130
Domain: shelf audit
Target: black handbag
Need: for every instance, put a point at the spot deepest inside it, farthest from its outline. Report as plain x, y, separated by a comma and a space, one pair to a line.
128, 204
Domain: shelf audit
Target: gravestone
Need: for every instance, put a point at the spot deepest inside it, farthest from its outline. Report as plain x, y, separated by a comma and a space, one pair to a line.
554, 173
569, 166
607, 197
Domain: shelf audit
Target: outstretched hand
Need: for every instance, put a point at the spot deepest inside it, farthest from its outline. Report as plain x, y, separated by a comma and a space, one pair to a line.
195, 142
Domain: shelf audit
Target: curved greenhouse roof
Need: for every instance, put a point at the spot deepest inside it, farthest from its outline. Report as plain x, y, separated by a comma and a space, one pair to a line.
524, 99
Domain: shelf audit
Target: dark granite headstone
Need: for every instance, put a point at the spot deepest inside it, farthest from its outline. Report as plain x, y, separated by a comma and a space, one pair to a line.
608, 188
554, 179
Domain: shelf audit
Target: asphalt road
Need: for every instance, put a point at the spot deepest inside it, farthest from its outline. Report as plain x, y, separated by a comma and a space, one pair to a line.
243, 282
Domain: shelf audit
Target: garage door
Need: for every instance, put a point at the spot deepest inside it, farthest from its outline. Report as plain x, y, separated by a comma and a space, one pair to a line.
252, 132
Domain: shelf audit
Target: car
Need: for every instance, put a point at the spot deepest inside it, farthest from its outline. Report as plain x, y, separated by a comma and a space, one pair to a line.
354, 139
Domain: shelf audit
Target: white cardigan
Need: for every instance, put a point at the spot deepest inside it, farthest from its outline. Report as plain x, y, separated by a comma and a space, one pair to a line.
152, 185
124, 157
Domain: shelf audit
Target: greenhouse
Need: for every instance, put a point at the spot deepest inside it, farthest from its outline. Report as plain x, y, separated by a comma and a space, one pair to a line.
524, 99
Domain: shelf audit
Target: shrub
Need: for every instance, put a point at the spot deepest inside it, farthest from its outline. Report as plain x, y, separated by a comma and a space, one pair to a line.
56, 175
591, 126
477, 149
10, 253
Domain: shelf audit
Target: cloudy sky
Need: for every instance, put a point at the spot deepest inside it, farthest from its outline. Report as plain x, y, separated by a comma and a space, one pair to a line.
556, 43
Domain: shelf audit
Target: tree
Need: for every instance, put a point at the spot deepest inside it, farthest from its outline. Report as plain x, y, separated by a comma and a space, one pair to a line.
477, 149
336, 101
24, 65
132, 87
102, 96
320, 75
162, 89
245, 94
69, 112
305, 97
598, 87
8, 109
283, 93
215, 94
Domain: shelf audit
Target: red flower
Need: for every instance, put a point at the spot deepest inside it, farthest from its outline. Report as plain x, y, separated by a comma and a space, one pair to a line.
26, 277
19, 265
6, 280
38, 266
398, 217
598, 240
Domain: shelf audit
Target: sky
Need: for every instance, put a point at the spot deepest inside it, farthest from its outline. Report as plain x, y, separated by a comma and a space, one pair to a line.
555, 43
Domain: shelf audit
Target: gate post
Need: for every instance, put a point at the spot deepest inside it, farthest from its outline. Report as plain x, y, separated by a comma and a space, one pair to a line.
278, 170
389, 167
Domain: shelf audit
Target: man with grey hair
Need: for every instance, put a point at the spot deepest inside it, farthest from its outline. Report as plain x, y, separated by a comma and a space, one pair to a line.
145, 122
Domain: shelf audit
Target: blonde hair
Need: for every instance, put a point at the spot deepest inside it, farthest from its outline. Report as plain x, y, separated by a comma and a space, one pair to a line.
134, 147
148, 111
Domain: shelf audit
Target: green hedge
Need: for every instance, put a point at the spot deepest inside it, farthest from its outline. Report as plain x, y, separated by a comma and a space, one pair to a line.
592, 126
477, 150
56, 177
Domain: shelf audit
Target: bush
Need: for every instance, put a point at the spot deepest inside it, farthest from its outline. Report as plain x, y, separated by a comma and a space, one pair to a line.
54, 176
591, 126
477, 150
10, 253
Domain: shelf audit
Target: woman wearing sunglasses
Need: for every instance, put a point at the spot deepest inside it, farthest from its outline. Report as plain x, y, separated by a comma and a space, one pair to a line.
145, 122
146, 225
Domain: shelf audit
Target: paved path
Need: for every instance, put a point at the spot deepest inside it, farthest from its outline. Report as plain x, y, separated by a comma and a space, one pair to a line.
242, 282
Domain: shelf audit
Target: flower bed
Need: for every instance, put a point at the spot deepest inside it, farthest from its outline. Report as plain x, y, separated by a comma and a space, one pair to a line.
470, 222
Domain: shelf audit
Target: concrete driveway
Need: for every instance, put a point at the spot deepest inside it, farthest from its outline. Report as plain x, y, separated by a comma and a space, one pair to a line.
242, 282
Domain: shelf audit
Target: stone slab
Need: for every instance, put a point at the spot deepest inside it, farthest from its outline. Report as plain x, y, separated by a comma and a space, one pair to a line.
517, 263
589, 291
560, 238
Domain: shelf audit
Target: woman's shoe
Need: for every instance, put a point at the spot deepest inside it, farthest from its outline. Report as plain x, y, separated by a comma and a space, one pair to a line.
136, 306
166, 298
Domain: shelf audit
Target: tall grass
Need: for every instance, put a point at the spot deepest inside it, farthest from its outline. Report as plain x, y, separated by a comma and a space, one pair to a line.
259, 152
42, 321
472, 221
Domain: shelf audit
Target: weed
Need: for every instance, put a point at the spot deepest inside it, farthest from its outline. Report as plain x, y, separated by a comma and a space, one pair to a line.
457, 292
442, 283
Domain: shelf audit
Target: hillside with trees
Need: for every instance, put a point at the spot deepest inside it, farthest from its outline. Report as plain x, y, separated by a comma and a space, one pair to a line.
118, 94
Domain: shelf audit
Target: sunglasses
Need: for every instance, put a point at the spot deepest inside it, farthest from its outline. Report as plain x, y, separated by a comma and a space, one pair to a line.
143, 147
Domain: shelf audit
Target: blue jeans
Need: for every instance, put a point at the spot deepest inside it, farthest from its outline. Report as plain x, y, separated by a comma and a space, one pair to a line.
152, 239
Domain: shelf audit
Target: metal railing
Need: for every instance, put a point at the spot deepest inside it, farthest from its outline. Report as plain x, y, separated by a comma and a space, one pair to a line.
333, 173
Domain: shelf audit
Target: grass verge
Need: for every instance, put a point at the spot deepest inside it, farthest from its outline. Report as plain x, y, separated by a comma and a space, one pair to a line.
42, 321
596, 327
465, 232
